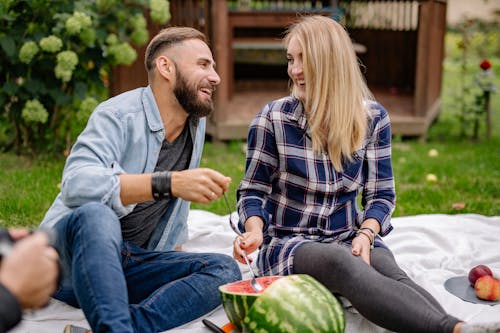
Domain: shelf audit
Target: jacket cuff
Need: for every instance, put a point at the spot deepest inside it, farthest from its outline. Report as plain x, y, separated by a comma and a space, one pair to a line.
10, 309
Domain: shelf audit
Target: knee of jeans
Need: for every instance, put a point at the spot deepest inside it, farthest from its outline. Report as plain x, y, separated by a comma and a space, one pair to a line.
230, 271
96, 216
92, 220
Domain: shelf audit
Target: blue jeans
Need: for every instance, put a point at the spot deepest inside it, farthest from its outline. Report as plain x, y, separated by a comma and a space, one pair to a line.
124, 288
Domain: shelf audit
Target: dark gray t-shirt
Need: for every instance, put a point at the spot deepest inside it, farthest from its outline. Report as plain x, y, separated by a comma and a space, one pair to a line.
140, 223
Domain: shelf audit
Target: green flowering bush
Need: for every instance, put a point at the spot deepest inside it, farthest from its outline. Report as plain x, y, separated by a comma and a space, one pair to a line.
28, 51
473, 41
159, 12
34, 112
66, 63
57, 57
85, 109
51, 44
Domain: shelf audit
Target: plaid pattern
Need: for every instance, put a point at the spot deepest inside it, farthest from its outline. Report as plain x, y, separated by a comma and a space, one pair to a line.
299, 195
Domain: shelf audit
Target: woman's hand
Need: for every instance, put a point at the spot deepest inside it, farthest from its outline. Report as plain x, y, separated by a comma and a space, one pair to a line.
250, 240
361, 247
361, 244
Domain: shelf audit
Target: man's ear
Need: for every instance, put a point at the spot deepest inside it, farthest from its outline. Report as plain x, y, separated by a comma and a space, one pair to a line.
165, 67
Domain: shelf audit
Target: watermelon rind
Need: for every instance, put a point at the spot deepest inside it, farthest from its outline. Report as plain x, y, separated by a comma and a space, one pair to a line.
295, 304
236, 304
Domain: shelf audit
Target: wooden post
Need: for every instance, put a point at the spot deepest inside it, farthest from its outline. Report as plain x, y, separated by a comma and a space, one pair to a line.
221, 47
430, 53
487, 109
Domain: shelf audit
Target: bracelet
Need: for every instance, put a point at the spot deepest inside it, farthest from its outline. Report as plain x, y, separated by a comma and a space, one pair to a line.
161, 185
372, 232
372, 240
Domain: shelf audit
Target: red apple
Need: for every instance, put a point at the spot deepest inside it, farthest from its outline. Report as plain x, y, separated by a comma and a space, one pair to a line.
487, 288
478, 271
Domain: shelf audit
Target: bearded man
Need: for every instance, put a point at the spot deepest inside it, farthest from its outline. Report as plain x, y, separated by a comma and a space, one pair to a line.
120, 217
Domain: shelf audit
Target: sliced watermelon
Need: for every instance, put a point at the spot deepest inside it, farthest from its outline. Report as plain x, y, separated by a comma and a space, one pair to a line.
238, 297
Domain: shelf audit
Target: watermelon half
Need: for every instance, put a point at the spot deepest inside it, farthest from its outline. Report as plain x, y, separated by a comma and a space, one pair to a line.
295, 303
238, 297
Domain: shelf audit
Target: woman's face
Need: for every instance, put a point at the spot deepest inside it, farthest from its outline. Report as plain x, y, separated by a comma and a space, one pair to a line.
295, 68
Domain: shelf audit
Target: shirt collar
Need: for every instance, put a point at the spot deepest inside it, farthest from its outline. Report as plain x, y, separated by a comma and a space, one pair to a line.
295, 112
153, 113
151, 110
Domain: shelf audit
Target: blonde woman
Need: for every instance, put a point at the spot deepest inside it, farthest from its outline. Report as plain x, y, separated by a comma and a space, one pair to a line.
309, 156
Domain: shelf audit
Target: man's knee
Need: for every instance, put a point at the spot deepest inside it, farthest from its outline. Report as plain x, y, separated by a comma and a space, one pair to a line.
92, 220
228, 268
97, 217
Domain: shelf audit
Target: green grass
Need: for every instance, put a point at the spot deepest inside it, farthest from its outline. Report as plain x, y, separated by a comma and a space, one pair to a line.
467, 172
27, 188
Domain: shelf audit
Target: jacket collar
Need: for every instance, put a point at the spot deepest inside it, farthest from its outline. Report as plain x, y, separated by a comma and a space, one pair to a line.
153, 113
151, 110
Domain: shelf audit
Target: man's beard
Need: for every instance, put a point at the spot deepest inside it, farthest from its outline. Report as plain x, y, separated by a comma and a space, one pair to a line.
189, 100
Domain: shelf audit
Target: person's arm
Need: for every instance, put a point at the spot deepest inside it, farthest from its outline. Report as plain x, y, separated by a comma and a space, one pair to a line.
261, 168
379, 195
200, 185
91, 172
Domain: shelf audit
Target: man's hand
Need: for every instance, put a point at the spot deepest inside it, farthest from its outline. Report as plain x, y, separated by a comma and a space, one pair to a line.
201, 185
30, 271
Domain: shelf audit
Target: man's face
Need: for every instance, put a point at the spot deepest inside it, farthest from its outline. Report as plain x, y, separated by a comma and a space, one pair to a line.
196, 78
187, 95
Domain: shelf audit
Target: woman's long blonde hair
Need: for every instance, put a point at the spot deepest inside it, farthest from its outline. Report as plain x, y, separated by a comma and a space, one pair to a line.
336, 93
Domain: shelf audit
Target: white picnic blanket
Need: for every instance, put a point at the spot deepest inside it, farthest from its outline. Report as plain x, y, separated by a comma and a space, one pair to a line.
430, 248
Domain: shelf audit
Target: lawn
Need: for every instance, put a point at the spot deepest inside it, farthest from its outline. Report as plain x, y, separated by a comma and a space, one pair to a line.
467, 173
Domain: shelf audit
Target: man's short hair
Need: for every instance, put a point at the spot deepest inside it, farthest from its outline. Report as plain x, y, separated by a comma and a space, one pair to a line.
166, 38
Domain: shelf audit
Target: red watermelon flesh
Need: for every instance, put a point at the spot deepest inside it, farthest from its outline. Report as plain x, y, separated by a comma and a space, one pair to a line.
244, 286
238, 297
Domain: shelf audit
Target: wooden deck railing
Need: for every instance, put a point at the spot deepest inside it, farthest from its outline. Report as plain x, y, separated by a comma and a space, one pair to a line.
403, 40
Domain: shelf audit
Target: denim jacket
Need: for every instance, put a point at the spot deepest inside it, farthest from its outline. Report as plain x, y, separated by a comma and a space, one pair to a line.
123, 135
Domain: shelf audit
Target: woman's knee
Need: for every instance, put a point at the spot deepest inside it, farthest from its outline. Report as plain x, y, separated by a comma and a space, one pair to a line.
322, 256
384, 262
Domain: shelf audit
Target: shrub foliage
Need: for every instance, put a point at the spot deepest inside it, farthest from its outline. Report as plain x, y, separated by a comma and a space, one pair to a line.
56, 59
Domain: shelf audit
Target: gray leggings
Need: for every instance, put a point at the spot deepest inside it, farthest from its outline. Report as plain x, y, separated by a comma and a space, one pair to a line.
382, 292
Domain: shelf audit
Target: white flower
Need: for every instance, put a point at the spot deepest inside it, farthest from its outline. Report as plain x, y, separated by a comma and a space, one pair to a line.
431, 178
433, 153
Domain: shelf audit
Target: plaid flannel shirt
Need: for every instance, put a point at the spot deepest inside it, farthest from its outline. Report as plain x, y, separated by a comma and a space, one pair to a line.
297, 192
